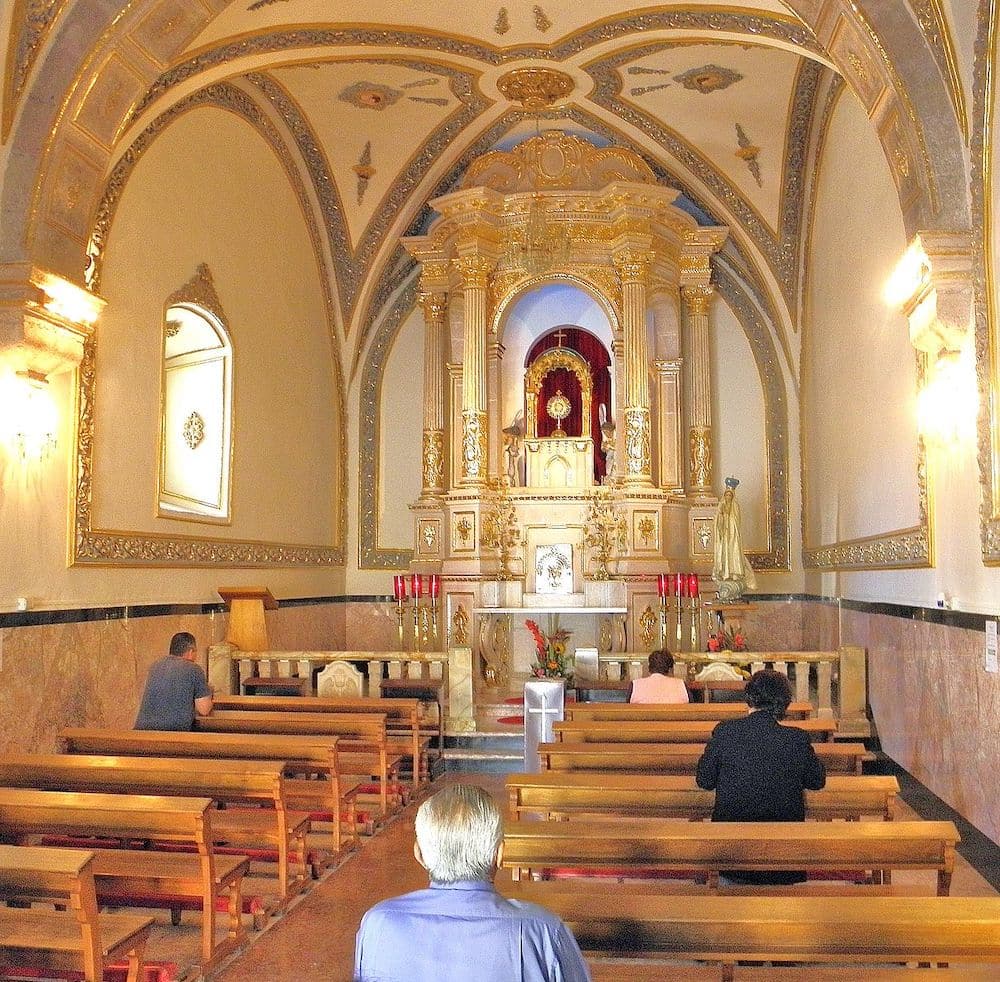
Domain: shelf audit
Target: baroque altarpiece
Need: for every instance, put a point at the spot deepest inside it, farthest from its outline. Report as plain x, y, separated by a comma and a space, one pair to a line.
516, 455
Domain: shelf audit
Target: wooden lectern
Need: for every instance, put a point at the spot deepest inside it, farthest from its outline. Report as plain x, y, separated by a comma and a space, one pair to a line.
247, 627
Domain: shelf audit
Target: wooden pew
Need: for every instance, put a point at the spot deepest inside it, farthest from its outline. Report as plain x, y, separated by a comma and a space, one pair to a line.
141, 878
640, 845
408, 734
667, 731
673, 758
363, 746
76, 939
271, 825
577, 712
301, 755
815, 930
559, 794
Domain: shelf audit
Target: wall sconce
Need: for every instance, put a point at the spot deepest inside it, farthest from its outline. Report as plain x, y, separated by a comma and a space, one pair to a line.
31, 414
948, 403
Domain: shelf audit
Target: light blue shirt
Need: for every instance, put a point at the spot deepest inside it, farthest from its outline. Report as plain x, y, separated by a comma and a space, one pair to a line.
464, 932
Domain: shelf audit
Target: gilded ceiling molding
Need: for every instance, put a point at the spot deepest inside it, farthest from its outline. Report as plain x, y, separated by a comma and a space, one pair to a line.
984, 95
934, 25
107, 547
782, 252
791, 31
35, 18
733, 291
99, 547
370, 555
353, 266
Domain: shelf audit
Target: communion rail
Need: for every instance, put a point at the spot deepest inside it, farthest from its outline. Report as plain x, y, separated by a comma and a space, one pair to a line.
847, 667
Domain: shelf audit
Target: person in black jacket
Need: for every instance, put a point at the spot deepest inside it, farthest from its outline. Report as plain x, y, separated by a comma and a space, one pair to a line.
759, 768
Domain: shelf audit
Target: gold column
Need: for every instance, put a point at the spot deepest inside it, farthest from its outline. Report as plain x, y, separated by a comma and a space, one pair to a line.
494, 368
696, 301
474, 271
434, 304
633, 271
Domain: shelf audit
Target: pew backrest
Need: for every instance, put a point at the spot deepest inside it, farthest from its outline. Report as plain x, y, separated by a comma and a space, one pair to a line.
580, 711
666, 731
567, 794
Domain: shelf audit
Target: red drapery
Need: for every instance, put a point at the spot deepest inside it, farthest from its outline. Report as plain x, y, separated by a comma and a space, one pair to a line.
596, 355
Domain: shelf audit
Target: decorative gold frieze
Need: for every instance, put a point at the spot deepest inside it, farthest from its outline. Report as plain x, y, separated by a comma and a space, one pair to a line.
535, 88
905, 549
700, 445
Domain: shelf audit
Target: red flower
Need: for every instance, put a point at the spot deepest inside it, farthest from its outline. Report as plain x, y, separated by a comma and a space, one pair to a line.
713, 643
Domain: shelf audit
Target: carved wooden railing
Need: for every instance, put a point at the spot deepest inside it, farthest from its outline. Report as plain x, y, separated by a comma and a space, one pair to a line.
846, 701
230, 667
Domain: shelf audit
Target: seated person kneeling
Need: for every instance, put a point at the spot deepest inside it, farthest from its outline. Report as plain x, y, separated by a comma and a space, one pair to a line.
661, 685
460, 928
759, 768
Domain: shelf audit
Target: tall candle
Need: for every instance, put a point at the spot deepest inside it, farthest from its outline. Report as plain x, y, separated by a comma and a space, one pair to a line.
661, 585
416, 585
682, 581
692, 584
397, 587
435, 586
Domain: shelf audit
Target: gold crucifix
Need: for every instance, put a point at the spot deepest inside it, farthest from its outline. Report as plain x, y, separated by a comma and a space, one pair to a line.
560, 337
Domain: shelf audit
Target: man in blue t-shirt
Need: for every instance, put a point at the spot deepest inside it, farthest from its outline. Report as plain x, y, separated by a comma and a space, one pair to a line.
176, 689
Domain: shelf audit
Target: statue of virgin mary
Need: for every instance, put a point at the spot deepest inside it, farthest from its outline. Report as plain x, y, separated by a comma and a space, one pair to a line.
731, 569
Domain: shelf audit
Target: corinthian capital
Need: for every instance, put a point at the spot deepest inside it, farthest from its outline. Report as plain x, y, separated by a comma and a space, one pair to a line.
474, 270
633, 265
434, 306
698, 297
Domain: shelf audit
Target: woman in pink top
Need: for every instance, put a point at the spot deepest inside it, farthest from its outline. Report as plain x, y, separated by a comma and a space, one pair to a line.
660, 685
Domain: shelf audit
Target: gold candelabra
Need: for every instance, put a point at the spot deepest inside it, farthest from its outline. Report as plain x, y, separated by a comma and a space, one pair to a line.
673, 590
604, 530
500, 529
425, 615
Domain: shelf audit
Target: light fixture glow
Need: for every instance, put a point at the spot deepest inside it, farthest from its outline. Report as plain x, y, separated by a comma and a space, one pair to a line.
32, 415
911, 274
69, 301
948, 404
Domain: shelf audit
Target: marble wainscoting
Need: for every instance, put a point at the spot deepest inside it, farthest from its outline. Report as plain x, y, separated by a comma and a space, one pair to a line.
373, 626
307, 627
936, 709
89, 673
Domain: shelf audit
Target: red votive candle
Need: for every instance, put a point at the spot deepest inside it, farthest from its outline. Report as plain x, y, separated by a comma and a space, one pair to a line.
416, 585
692, 584
682, 582
435, 586
671, 584
661, 585
396, 586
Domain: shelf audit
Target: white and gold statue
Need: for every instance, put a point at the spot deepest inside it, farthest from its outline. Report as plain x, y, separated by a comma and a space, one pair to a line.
731, 569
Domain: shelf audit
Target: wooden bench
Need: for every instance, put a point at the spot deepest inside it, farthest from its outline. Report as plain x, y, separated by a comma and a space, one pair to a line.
270, 826
858, 930
636, 846
667, 731
331, 799
141, 878
363, 748
580, 711
76, 939
408, 733
674, 758
558, 794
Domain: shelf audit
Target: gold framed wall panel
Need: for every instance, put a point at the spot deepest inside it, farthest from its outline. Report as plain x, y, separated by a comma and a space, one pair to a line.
984, 279
91, 546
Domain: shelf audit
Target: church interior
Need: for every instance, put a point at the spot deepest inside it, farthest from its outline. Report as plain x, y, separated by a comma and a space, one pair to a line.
445, 329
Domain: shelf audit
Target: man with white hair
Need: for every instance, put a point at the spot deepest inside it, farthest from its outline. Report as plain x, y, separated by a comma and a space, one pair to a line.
460, 929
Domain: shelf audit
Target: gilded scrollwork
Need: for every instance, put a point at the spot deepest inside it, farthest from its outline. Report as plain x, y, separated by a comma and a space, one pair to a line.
637, 443
460, 627
648, 621
473, 445
433, 461
700, 448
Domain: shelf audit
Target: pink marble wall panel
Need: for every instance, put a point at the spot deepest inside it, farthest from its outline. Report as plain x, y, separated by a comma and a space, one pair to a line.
315, 627
936, 709
820, 626
374, 627
774, 626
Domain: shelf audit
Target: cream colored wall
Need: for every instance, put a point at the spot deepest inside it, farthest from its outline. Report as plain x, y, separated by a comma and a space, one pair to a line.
194, 198
859, 373
738, 416
401, 433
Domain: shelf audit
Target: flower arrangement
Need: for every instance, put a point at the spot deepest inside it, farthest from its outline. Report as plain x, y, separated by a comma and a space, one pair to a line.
723, 640
552, 661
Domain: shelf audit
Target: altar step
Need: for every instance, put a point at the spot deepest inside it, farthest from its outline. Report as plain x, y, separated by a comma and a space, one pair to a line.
484, 753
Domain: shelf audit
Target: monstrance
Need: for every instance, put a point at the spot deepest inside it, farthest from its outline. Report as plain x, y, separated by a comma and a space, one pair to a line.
558, 408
